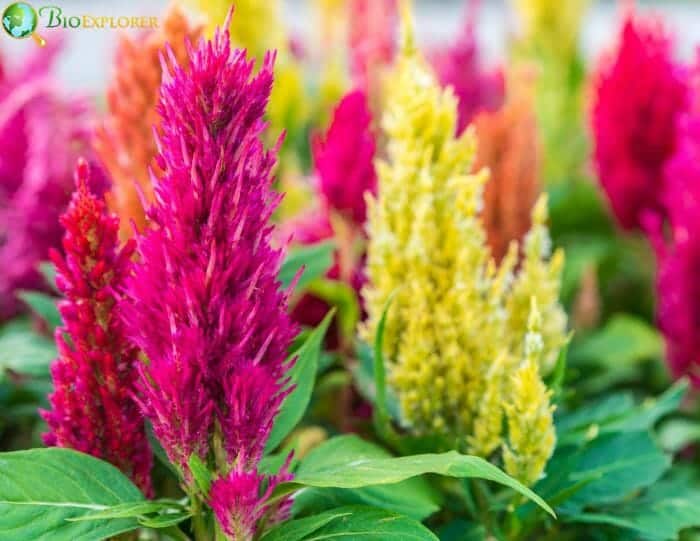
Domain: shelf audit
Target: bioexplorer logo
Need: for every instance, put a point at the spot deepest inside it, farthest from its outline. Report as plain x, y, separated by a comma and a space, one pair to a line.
20, 20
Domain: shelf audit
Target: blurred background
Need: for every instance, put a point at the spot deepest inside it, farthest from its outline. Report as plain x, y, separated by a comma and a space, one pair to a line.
87, 64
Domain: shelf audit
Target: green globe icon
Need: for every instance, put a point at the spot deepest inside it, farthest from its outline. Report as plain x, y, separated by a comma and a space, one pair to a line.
19, 20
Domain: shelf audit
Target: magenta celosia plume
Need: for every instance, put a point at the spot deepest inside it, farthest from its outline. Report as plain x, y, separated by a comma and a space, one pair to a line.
678, 252
344, 159
204, 303
41, 136
345, 175
92, 407
638, 93
459, 66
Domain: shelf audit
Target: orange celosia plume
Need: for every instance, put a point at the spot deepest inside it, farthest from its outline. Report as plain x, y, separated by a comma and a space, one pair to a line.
508, 145
125, 142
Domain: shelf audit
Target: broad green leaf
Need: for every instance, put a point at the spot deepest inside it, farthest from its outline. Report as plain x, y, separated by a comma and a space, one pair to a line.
138, 509
303, 376
43, 305
23, 351
41, 489
414, 497
315, 259
622, 462
329, 468
618, 413
666, 508
358, 523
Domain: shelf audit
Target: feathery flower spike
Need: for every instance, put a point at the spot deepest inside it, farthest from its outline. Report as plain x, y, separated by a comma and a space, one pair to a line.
453, 337
459, 66
639, 93
125, 142
204, 303
509, 146
42, 133
678, 287
92, 409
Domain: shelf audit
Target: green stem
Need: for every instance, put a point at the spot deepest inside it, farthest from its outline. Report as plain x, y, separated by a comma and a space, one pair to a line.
199, 525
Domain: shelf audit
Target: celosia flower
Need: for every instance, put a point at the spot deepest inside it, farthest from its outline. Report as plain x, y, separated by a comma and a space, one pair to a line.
204, 303
344, 159
125, 142
92, 407
258, 27
454, 331
551, 26
549, 42
372, 40
531, 437
41, 135
459, 66
639, 93
678, 304
509, 147
344, 162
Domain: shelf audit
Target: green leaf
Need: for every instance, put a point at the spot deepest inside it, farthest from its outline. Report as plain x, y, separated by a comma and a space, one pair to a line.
303, 376
23, 351
329, 468
200, 472
665, 509
381, 413
344, 298
141, 508
315, 259
43, 305
41, 489
48, 271
622, 463
353, 522
413, 497
618, 413
625, 340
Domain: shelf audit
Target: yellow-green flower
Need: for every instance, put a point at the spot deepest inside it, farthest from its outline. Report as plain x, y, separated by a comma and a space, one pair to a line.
256, 25
550, 41
455, 332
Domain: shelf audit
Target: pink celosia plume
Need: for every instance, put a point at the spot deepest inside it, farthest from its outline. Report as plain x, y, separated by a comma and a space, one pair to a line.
638, 93
460, 66
204, 302
92, 408
344, 159
678, 287
41, 135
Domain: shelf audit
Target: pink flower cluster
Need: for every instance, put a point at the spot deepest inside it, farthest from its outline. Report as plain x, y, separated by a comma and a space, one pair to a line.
678, 309
639, 93
92, 408
459, 66
204, 302
41, 136
345, 173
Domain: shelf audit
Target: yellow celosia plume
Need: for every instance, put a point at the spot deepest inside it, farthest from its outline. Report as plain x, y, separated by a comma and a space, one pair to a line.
456, 337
